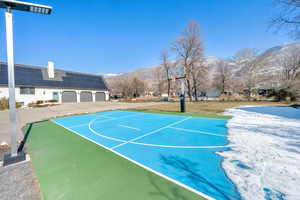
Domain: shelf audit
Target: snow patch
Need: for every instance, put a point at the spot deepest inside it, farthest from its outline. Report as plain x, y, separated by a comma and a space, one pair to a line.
264, 161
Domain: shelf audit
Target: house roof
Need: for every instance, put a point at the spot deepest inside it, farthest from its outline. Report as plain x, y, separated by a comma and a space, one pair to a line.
38, 77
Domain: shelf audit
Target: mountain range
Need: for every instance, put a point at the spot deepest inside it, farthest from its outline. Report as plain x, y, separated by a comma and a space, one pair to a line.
267, 59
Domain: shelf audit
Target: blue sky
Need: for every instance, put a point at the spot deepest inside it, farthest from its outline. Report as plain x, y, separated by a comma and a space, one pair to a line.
115, 36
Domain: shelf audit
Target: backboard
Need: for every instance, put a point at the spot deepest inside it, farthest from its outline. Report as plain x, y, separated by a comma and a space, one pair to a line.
177, 72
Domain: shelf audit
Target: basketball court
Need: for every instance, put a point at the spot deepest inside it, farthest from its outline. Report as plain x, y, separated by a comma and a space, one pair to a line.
178, 148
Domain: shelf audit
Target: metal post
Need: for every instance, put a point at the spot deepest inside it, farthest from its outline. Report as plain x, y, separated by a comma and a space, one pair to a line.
182, 86
182, 97
11, 81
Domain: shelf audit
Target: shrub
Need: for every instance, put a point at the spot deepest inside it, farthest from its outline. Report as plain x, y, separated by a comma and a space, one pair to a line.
241, 97
284, 95
39, 102
31, 104
231, 97
53, 101
19, 104
4, 104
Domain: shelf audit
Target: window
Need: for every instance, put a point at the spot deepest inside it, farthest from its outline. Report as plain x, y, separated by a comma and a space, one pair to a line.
27, 90
55, 96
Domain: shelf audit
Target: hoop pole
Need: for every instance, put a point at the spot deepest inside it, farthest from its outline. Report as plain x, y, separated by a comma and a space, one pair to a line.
182, 97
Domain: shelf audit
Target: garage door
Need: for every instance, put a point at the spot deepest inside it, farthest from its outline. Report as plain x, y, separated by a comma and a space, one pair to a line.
86, 97
69, 96
100, 96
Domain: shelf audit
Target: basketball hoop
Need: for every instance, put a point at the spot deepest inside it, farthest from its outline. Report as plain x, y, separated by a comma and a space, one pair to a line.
174, 77
178, 73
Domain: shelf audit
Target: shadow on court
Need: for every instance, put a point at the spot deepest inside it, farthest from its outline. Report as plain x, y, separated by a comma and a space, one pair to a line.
190, 171
23, 142
169, 192
27, 131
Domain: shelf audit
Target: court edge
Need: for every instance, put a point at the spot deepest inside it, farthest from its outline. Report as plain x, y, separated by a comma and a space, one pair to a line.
187, 114
139, 164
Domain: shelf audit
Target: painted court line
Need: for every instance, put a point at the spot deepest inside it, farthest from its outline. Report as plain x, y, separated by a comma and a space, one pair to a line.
130, 127
182, 147
111, 119
124, 117
123, 142
141, 165
197, 131
150, 133
78, 125
108, 117
158, 145
107, 137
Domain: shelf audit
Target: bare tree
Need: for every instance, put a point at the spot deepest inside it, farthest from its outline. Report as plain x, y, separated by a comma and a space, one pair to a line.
244, 55
243, 58
295, 88
289, 17
290, 64
126, 86
246, 62
249, 78
138, 87
117, 86
223, 77
159, 81
167, 68
189, 50
199, 77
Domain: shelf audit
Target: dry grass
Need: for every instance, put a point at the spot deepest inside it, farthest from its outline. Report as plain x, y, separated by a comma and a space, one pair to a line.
140, 100
206, 107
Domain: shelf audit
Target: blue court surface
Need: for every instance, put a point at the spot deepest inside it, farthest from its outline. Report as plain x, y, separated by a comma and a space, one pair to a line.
179, 148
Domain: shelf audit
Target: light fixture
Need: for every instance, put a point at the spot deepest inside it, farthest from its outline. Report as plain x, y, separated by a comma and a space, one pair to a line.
25, 6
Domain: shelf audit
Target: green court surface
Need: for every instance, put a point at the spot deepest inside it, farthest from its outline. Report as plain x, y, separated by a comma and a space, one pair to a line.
70, 167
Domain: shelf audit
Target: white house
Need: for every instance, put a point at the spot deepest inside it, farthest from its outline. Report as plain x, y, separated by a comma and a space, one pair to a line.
42, 84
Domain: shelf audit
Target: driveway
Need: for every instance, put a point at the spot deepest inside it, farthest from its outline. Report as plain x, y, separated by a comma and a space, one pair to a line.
29, 115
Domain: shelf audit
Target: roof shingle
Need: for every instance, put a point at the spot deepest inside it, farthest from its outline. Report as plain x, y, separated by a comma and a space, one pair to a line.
38, 77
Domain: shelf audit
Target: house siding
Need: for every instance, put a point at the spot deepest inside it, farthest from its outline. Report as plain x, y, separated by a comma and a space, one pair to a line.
45, 94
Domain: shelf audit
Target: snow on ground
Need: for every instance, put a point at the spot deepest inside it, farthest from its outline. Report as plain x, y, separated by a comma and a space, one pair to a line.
265, 160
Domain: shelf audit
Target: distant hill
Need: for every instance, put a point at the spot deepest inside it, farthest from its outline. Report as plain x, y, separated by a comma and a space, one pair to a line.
267, 58
148, 73
270, 57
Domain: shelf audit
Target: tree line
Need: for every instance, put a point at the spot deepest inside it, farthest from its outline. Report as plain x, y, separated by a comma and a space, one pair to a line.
243, 73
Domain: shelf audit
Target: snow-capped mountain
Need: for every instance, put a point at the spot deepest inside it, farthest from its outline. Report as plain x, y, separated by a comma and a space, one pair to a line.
109, 75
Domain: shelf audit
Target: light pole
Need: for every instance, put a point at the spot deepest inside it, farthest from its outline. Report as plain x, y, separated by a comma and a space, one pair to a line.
10, 5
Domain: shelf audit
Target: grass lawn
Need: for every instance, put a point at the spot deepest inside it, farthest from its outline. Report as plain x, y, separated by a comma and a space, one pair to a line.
69, 167
204, 108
